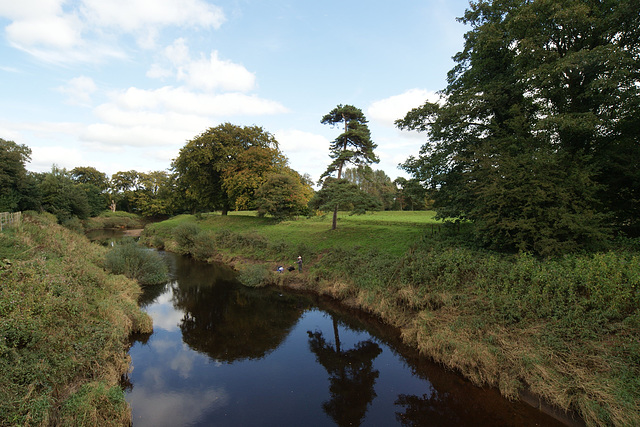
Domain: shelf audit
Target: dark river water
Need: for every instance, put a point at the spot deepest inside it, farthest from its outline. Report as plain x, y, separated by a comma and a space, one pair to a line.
225, 355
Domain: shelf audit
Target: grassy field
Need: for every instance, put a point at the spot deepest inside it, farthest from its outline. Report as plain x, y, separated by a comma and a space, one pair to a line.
566, 329
390, 232
64, 326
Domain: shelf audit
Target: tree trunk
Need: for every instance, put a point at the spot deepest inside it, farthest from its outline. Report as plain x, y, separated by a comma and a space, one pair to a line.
334, 225
336, 334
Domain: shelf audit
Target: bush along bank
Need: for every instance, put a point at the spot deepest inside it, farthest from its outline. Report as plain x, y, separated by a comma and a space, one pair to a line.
63, 330
566, 330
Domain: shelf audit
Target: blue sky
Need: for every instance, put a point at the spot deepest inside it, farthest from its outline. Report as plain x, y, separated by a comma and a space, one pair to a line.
124, 84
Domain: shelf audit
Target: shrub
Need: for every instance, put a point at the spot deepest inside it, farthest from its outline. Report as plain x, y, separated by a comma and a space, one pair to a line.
254, 275
136, 262
157, 242
184, 235
203, 246
73, 224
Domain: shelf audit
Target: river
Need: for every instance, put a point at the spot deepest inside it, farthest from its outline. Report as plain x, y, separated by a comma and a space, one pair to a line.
222, 354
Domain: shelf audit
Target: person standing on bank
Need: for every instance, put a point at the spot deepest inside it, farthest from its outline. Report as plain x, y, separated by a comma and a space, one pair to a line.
299, 264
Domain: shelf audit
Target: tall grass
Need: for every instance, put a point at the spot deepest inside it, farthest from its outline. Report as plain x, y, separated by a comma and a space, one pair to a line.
63, 329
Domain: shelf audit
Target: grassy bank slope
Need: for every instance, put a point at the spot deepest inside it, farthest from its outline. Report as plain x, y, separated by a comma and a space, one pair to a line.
64, 323
566, 330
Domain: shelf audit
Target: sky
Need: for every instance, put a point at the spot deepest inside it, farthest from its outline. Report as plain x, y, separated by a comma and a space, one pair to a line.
123, 85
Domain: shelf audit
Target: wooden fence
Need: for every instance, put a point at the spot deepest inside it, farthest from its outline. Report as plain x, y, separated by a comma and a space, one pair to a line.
9, 219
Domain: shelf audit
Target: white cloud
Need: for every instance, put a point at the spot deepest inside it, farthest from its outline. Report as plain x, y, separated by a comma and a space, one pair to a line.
388, 110
42, 158
134, 15
183, 101
59, 32
88, 30
79, 90
177, 52
167, 116
213, 73
204, 73
157, 71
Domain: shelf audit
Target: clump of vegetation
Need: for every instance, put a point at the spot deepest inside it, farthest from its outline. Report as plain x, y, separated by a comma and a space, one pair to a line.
137, 262
255, 275
96, 404
191, 240
64, 327
185, 235
118, 219
203, 246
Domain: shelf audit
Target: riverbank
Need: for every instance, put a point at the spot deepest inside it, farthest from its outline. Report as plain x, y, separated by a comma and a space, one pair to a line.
64, 329
564, 330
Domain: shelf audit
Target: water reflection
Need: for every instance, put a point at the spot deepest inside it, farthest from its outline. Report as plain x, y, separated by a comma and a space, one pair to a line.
229, 322
225, 355
351, 376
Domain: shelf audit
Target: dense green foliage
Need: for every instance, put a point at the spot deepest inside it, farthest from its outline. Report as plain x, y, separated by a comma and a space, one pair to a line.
136, 262
535, 136
564, 328
282, 196
223, 167
13, 175
375, 183
64, 325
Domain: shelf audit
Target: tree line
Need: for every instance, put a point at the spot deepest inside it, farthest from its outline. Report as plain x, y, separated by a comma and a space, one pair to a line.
225, 168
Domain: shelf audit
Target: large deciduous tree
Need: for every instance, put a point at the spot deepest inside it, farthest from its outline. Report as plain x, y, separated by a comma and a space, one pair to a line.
535, 133
353, 146
223, 167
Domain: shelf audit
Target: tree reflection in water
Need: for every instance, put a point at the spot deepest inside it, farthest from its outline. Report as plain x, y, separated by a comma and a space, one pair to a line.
227, 321
351, 376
